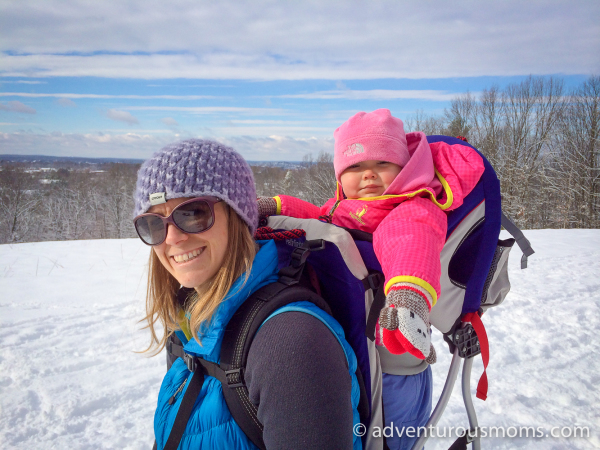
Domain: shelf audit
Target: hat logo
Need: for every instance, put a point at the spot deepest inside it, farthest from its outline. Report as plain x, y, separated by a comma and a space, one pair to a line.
354, 149
157, 198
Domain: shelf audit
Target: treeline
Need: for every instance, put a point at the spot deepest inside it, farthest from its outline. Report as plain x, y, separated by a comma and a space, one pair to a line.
542, 139
63, 204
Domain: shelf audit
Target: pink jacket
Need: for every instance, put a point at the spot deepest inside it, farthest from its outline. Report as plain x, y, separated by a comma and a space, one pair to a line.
408, 221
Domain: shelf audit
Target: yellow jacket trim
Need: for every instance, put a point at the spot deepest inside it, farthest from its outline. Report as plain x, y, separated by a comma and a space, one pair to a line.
184, 323
445, 185
278, 201
449, 195
339, 193
414, 280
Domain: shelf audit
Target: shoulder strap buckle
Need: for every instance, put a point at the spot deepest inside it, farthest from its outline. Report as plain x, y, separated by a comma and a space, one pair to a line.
373, 281
235, 378
191, 362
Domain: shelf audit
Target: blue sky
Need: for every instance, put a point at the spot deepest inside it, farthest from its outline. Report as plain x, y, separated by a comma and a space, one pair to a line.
272, 79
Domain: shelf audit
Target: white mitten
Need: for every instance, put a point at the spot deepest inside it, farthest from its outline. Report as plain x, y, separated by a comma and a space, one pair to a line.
405, 323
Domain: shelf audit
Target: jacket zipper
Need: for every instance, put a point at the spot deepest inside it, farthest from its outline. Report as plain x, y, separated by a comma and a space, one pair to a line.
179, 389
332, 210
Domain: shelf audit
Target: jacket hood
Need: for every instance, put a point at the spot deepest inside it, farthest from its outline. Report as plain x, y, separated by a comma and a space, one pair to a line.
419, 172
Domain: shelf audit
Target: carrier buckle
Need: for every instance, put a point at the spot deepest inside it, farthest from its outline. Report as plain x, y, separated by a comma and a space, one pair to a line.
236, 379
374, 281
191, 362
465, 339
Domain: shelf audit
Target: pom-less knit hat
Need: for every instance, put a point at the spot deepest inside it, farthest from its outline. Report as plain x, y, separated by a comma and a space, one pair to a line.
365, 136
196, 168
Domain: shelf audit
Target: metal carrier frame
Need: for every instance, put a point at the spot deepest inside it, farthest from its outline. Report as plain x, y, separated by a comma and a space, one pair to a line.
463, 343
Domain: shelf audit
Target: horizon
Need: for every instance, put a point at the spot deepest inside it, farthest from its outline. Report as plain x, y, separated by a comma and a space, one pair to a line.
271, 81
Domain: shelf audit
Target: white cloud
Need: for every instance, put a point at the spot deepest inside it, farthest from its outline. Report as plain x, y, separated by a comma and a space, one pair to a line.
376, 94
169, 121
121, 116
284, 130
66, 102
277, 148
24, 82
211, 109
105, 96
127, 145
267, 40
17, 106
143, 145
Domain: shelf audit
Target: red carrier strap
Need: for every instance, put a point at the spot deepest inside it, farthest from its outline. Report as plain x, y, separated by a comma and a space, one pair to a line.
475, 320
270, 233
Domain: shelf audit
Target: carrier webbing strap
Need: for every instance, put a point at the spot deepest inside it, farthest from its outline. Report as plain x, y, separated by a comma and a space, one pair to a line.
374, 282
522, 241
185, 410
460, 444
474, 319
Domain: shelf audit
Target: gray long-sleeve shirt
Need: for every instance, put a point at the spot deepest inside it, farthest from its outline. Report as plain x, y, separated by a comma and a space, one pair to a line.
297, 375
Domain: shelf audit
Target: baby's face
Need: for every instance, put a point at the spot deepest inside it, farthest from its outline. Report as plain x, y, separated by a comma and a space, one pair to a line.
368, 178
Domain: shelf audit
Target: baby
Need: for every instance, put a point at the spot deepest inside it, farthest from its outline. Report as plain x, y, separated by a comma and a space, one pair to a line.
397, 187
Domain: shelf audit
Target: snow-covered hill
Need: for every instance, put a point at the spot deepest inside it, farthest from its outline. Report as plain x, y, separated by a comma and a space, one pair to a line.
70, 377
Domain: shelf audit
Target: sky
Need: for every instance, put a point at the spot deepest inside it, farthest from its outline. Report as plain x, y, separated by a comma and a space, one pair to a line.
273, 79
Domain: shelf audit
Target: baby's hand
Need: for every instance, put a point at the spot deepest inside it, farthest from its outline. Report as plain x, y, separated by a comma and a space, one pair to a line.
405, 323
267, 206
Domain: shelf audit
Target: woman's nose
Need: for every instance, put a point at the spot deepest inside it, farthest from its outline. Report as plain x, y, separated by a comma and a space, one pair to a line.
174, 235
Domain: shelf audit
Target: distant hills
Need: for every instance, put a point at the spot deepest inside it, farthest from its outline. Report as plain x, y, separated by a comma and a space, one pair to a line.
68, 159
39, 159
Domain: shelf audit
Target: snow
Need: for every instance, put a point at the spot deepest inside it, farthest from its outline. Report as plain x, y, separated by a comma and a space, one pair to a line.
70, 376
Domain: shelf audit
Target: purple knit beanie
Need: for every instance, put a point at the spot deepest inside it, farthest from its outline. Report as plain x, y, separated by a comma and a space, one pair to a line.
365, 136
196, 168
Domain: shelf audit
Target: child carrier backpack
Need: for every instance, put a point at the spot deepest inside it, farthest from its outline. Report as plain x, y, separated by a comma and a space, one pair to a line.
337, 270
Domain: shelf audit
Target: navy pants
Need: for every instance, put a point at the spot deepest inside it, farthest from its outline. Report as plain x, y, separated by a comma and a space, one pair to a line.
406, 403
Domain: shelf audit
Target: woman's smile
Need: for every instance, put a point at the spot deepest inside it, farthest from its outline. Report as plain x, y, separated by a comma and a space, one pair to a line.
188, 256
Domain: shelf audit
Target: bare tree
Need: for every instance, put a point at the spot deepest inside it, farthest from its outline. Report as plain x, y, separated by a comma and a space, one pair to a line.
428, 124
116, 200
318, 182
18, 200
460, 116
576, 163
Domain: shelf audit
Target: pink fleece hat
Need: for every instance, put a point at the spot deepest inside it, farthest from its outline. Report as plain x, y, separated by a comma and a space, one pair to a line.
369, 136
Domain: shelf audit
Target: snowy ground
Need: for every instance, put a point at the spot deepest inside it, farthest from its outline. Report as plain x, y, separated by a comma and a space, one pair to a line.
70, 377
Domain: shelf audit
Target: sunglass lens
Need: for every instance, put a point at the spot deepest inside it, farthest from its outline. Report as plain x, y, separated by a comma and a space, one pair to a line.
193, 217
150, 229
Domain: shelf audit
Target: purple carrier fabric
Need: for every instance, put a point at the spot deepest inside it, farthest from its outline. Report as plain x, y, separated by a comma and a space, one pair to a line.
344, 293
472, 260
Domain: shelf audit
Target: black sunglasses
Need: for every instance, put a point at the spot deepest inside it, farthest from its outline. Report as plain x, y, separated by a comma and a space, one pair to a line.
192, 216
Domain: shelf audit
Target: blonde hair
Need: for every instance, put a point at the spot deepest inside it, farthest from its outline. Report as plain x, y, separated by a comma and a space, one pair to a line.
161, 297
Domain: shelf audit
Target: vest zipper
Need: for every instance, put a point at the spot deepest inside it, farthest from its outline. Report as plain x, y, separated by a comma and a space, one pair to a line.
179, 389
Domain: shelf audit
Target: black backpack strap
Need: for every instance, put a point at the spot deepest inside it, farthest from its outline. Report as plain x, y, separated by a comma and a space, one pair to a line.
374, 282
185, 410
235, 347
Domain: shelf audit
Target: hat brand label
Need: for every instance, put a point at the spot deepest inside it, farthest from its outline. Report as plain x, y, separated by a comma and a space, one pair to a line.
354, 149
158, 198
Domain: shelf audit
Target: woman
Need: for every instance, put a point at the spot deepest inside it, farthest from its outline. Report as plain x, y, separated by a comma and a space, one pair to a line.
195, 204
